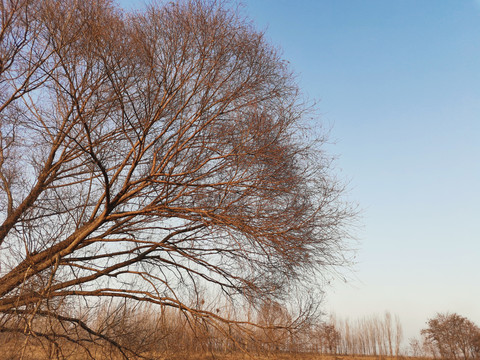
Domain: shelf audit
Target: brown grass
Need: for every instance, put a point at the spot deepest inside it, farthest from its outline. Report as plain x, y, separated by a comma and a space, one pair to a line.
9, 352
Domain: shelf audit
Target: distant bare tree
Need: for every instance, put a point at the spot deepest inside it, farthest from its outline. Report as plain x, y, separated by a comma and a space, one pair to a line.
415, 347
453, 337
329, 338
398, 335
144, 155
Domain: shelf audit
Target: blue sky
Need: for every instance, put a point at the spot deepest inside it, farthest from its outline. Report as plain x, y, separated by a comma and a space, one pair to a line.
399, 83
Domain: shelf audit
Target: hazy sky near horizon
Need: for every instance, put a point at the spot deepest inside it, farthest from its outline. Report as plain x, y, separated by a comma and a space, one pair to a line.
398, 82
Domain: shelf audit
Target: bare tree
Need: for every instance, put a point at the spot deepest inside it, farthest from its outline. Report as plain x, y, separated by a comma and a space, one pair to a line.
144, 155
415, 348
398, 335
328, 338
452, 337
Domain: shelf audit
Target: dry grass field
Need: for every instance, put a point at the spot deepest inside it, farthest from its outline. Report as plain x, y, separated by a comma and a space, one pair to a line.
8, 352
283, 356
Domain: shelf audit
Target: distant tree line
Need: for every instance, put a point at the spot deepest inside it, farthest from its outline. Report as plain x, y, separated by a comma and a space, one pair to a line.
269, 329
166, 333
374, 335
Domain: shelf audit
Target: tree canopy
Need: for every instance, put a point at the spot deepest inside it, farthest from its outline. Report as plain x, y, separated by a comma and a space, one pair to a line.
452, 336
150, 155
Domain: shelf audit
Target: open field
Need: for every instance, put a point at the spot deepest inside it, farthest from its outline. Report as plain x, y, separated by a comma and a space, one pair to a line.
286, 356
14, 353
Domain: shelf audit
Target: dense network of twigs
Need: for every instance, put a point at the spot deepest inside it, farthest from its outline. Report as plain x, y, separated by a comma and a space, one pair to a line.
158, 157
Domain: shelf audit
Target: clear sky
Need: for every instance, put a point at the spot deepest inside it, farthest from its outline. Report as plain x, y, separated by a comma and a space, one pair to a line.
399, 83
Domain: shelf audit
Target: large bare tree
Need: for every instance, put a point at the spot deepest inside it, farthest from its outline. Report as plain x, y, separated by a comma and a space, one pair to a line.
148, 155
